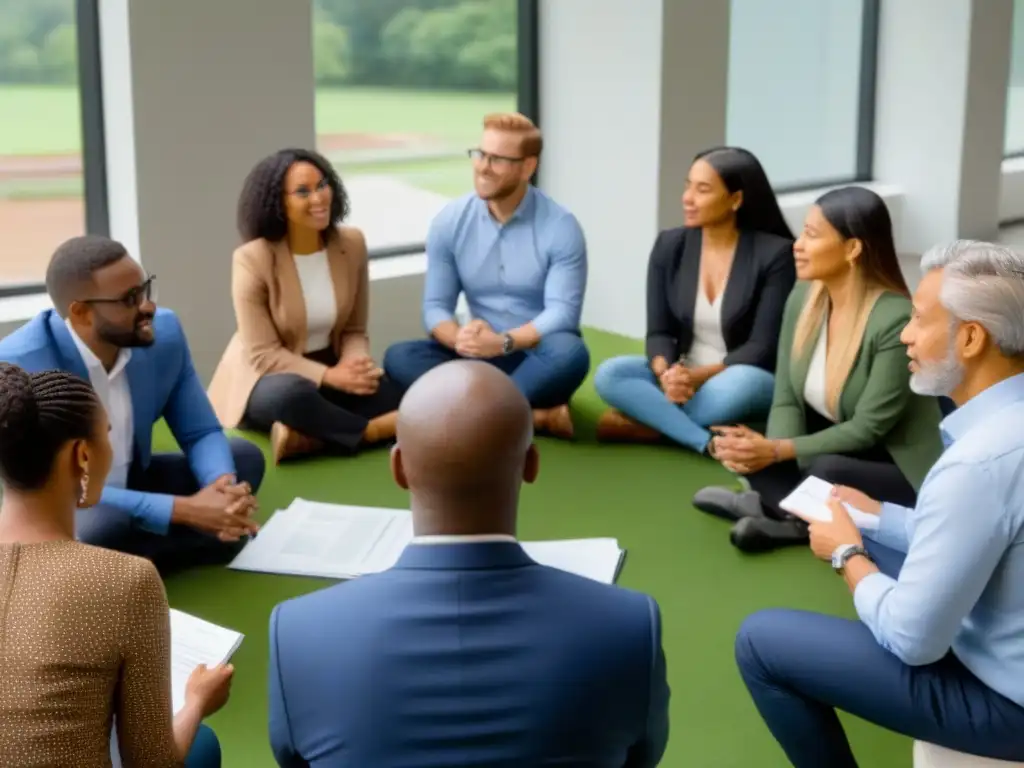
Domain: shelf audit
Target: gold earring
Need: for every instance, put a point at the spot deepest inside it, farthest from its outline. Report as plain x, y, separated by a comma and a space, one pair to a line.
83, 495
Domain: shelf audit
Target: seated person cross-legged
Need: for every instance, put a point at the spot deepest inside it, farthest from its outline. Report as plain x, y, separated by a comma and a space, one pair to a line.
86, 631
939, 588
716, 289
521, 261
842, 409
299, 366
467, 652
176, 509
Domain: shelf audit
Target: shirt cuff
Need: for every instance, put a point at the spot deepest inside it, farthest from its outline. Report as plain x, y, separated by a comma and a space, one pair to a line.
867, 599
892, 527
156, 515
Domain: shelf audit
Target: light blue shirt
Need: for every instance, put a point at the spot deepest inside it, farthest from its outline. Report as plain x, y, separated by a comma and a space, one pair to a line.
532, 268
962, 584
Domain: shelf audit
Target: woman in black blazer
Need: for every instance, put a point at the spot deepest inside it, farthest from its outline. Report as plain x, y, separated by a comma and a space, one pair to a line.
716, 288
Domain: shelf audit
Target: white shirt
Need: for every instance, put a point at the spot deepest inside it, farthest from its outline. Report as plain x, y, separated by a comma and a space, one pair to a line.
321, 305
708, 347
116, 396
467, 539
814, 387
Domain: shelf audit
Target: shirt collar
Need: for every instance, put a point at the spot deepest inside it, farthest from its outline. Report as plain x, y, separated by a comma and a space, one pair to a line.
523, 210
466, 539
982, 405
93, 363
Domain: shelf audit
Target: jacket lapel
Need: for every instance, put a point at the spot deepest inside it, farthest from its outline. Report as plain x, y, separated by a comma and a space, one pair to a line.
71, 358
140, 385
291, 301
800, 364
737, 285
336, 256
688, 281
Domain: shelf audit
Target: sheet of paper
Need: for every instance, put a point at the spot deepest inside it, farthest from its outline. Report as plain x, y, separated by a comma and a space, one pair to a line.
194, 642
596, 559
342, 542
809, 500
327, 540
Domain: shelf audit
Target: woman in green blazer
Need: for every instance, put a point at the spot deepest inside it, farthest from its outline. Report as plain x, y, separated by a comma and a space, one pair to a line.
842, 408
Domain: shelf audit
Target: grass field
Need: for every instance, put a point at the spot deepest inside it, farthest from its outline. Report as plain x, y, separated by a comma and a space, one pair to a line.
43, 121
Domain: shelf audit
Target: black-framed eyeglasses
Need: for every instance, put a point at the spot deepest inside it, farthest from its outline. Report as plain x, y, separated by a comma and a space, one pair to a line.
133, 298
303, 191
479, 155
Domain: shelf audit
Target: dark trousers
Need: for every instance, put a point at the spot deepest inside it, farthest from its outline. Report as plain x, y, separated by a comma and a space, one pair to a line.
337, 418
872, 472
800, 667
547, 375
181, 547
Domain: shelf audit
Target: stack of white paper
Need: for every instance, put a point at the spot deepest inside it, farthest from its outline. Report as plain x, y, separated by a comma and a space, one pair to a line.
809, 501
342, 542
194, 642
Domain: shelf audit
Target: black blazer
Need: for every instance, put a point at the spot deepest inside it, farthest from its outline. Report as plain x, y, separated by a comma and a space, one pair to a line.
763, 273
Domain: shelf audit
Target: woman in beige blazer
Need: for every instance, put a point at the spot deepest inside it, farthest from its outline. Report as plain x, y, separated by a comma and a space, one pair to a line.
299, 365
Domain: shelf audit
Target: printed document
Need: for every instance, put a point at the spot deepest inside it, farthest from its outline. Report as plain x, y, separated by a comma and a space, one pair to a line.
809, 501
343, 542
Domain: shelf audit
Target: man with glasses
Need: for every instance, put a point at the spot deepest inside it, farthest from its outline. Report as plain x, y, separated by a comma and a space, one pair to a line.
177, 509
521, 261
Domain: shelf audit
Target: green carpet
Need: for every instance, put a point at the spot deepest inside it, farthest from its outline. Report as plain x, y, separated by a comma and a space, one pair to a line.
638, 494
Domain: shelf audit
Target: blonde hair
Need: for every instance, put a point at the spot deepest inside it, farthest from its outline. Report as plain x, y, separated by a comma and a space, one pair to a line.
814, 316
530, 140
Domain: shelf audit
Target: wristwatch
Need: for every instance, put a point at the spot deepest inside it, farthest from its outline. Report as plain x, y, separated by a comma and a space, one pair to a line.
508, 345
844, 552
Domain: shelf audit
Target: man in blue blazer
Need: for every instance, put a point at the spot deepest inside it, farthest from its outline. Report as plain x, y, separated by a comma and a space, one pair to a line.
177, 509
467, 652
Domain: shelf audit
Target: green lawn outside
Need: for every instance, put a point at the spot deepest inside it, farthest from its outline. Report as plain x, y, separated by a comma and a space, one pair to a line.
45, 120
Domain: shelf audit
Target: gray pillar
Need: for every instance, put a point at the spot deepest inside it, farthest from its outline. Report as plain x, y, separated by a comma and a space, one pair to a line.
941, 106
622, 115
195, 92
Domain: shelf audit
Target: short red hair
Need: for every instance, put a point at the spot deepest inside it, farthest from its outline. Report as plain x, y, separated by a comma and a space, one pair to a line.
530, 140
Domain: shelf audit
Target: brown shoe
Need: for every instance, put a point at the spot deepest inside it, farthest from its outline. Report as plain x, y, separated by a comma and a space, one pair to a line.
286, 443
381, 428
616, 427
556, 422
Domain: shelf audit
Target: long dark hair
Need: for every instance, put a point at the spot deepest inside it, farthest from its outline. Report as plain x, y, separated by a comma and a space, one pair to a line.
856, 212
741, 171
261, 210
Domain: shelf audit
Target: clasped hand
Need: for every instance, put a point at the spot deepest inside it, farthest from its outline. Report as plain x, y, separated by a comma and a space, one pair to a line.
223, 509
677, 383
356, 375
741, 449
478, 339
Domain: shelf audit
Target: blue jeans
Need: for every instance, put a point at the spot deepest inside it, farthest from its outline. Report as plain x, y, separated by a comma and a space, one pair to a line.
548, 375
739, 393
800, 667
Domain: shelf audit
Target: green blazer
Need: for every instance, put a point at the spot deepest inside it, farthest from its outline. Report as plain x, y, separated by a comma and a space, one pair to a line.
876, 405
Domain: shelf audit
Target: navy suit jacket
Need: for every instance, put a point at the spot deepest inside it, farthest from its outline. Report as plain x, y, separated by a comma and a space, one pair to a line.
163, 384
468, 654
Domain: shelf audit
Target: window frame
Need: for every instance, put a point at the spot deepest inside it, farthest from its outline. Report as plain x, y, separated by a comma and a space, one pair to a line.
527, 97
866, 95
94, 152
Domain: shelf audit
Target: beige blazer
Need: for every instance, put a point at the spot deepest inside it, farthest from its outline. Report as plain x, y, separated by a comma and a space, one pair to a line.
270, 311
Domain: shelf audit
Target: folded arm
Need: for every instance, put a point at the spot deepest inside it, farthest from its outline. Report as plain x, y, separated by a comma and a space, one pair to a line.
442, 284
256, 329
961, 536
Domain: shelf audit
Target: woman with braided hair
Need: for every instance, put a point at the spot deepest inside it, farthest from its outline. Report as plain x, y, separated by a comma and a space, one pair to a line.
86, 630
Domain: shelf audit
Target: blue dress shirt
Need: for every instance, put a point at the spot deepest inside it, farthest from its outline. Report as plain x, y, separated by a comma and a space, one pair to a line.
962, 584
532, 268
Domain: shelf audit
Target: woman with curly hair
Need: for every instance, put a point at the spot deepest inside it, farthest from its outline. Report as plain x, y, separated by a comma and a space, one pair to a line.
299, 365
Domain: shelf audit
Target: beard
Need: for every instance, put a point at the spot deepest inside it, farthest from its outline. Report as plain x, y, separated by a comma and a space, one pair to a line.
938, 379
120, 337
496, 189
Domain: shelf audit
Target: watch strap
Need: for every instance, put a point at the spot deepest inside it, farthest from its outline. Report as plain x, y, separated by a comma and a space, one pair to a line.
847, 553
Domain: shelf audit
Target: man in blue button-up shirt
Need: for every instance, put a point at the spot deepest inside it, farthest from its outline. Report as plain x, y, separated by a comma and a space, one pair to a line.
938, 652
521, 261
